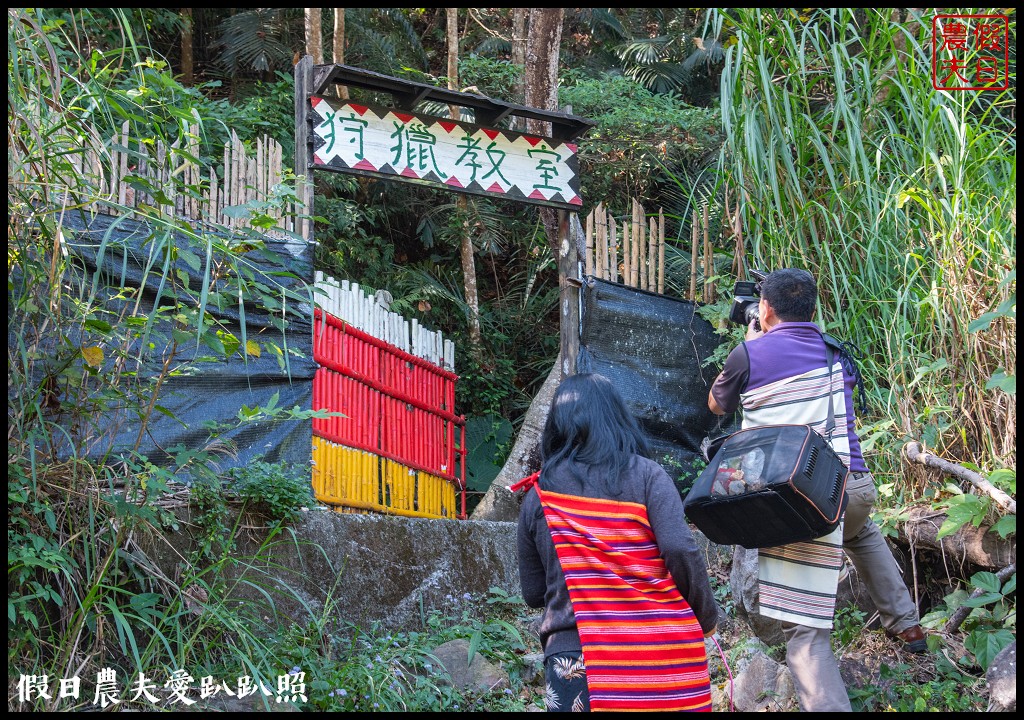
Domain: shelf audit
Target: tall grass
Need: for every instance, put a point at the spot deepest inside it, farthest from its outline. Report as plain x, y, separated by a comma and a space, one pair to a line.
900, 198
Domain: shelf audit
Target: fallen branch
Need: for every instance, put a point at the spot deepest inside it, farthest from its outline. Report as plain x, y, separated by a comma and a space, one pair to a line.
961, 613
916, 454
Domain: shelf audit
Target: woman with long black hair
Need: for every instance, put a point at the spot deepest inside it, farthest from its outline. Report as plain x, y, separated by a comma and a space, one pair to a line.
605, 549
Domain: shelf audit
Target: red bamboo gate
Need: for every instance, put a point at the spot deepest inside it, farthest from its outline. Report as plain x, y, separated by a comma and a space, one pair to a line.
398, 446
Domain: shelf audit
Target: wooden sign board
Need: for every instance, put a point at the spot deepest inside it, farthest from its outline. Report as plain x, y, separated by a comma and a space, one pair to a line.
448, 154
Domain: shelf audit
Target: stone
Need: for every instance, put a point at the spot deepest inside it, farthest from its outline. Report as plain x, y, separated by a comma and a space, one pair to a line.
477, 676
1001, 678
763, 685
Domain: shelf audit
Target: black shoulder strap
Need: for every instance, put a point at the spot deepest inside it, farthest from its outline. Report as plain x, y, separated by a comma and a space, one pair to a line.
849, 354
830, 424
746, 373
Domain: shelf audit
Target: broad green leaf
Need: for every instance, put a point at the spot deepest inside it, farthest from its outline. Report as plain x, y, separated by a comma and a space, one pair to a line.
985, 581
982, 323
986, 644
98, 325
1006, 526
1001, 381
231, 343
983, 600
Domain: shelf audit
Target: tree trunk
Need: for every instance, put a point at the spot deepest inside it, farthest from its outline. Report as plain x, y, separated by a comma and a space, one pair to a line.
466, 251
969, 544
339, 46
540, 79
519, 18
314, 36
187, 72
498, 503
544, 36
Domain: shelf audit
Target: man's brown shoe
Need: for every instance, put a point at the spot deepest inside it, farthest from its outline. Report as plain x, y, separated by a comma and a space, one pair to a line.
913, 638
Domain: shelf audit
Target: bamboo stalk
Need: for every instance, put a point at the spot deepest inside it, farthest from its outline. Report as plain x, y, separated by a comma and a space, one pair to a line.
613, 243
627, 253
122, 163
708, 259
225, 197
589, 260
661, 251
638, 239
261, 170
237, 169
602, 250
652, 254
693, 256
274, 172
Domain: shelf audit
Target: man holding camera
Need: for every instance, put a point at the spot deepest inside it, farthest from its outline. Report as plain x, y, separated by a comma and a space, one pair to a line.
779, 375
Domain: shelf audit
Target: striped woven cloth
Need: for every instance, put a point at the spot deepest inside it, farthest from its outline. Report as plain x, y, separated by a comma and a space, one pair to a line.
798, 582
642, 645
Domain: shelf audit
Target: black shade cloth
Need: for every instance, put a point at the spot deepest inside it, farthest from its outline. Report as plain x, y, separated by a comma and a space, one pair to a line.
652, 347
111, 253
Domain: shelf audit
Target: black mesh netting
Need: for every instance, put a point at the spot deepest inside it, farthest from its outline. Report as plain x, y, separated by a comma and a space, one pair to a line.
653, 348
115, 253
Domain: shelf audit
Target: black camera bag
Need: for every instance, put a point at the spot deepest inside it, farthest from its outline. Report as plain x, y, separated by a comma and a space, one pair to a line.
770, 485
800, 493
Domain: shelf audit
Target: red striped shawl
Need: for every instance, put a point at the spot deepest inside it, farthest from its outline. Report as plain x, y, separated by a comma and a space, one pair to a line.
642, 645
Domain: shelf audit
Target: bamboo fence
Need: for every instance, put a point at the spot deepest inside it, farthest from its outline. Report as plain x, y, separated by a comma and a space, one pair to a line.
243, 178
347, 301
631, 250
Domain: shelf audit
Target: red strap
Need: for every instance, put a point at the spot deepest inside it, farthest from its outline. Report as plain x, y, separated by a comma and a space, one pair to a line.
526, 483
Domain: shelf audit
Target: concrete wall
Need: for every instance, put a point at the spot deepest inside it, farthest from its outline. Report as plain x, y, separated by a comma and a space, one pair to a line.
366, 568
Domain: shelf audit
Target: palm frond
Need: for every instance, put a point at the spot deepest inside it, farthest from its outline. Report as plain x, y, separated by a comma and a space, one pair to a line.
644, 51
251, 40
492, 46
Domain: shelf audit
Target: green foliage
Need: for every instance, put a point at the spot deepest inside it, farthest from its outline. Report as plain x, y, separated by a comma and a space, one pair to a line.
962, 508
899, 691
490, 76
723, 596
487, 441
274, 492
637, 134
517, 315
347, 227
992, 622
352, 669
848, 625
277, 490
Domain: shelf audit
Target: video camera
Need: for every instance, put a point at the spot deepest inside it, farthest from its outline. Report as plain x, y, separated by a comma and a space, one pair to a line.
746, 296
